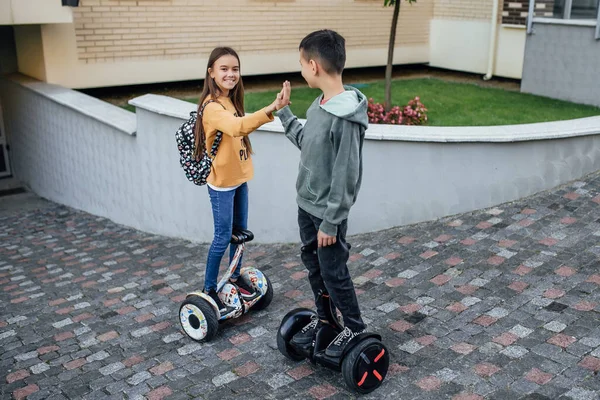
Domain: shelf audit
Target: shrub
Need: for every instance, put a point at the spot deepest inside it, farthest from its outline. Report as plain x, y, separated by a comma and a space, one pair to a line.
414, 113
394, 116
375, 112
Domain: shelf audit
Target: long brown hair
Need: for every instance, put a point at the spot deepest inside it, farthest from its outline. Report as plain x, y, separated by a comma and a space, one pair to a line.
212, 89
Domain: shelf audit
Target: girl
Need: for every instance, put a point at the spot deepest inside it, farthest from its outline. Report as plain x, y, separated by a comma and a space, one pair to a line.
232, 166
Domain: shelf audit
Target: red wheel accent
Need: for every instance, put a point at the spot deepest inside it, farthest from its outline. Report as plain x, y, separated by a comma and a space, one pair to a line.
361, 372
364, 377
377, 375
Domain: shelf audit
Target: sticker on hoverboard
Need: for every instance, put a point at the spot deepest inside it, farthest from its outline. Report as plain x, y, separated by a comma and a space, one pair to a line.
256, 279
229, 296
193, 321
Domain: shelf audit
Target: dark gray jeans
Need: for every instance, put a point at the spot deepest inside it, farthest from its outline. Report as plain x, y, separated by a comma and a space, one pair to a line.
328, 271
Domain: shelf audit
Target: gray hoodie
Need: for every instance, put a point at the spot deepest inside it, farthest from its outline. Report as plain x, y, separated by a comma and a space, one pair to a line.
330, 144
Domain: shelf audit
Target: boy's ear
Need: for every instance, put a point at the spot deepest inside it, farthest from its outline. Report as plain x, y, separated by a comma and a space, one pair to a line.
314, 66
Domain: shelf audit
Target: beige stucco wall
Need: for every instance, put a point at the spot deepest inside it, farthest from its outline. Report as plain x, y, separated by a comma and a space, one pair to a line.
17, 12
510, 53
459, 44
6, 12
460, 39
30, 51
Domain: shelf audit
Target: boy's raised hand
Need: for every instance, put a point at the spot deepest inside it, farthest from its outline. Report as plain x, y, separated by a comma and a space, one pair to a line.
283, 97
287, 91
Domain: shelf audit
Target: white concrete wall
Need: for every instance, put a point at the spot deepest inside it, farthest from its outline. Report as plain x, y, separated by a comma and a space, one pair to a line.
463, 45
81, 152
72, 149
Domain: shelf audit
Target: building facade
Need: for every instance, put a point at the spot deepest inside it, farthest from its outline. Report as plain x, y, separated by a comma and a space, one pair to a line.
562, 53
121, 42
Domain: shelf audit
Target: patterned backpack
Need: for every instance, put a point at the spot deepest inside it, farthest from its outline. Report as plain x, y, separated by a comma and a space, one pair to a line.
196, 171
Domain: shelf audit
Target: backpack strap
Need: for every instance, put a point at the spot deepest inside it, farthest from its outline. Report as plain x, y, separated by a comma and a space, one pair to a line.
217, 142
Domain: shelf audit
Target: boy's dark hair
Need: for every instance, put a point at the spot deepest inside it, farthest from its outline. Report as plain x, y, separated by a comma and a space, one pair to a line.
328, 46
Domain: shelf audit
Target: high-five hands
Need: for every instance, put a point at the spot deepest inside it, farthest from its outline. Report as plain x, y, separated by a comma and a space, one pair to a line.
283, 97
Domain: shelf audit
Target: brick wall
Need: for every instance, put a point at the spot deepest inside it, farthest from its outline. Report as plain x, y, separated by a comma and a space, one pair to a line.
515, 11
116, 30
463, 9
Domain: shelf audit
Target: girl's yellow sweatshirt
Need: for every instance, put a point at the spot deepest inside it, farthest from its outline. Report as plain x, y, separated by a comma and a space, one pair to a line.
233, 164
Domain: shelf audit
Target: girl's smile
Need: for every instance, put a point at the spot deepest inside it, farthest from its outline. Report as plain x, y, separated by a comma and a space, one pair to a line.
226, 73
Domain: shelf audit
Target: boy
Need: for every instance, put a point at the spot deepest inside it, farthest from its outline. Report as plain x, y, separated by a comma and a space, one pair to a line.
329, 179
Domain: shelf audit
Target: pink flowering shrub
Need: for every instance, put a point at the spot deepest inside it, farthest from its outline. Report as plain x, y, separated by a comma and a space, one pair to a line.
394, 116
375, 112
414, 113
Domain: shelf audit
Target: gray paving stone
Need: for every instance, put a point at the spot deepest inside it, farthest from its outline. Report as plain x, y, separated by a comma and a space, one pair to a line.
224, 379
39, 368
130, 283
139, 378
111, 368
581, 394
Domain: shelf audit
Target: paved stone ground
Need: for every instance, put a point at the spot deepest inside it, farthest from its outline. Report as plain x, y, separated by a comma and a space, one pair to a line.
502, 303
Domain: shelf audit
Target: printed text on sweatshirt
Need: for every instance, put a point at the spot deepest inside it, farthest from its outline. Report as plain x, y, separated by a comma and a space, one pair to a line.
233, 164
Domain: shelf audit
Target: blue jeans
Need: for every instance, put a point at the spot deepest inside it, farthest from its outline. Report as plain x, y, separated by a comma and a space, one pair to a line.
230, 209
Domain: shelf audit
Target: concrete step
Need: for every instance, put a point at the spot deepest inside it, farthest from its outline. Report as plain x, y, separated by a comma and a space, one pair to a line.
10, 185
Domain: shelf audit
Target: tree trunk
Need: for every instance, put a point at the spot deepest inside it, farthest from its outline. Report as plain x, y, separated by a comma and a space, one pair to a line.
388, 68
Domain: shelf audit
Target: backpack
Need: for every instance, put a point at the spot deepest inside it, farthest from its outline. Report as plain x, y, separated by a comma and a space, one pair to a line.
196, 171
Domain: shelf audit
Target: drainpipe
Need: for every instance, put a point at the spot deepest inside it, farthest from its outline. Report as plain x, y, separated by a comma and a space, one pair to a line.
598, 25
493, 32
530, 16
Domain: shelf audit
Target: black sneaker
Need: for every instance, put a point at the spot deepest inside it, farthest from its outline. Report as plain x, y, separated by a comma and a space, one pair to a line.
223, 309
248, 292
336, 347
308, 332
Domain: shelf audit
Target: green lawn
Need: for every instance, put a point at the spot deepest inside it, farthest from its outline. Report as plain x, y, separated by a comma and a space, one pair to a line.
449, 103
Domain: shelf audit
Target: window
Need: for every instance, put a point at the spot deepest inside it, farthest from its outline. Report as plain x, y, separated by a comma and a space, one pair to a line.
576, 9
569, 12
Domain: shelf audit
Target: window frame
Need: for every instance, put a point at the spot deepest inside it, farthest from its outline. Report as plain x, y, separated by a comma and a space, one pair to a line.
565, 20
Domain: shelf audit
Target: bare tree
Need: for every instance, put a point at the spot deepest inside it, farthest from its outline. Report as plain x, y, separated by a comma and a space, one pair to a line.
388, 68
